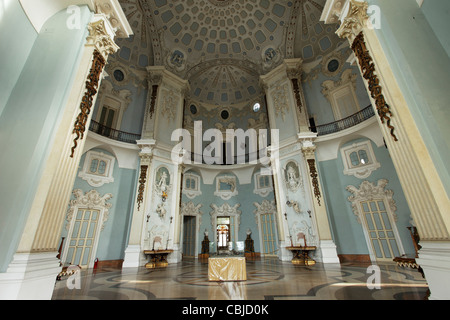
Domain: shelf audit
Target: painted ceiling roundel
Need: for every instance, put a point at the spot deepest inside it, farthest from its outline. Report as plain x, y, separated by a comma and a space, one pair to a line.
222, 46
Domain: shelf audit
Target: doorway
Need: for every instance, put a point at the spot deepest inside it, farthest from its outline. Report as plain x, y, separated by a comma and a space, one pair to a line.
223, 232
268, 234
381, 231
83, 236
189, 227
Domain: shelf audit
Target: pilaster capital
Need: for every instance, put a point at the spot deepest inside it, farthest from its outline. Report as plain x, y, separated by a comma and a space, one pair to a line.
101, 36
294, 68
115, 15
146, 153
354, 21
159, 75
307, 141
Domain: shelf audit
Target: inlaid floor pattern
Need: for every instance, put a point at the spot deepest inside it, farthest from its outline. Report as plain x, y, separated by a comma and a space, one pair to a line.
267, 279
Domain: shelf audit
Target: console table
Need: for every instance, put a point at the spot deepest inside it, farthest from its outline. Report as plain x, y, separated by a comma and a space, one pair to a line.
158, 258
227, 269
301, 255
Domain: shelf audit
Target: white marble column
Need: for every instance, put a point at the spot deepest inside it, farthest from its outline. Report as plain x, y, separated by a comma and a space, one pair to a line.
327, 246
156, 222
419, 177
32, 273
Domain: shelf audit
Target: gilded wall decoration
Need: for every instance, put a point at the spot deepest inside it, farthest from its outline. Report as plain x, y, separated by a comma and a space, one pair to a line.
298, 99
98, 63
369, 73
142, 179
314, 180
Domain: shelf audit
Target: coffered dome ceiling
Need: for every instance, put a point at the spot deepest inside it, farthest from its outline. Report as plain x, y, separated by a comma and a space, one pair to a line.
222, 46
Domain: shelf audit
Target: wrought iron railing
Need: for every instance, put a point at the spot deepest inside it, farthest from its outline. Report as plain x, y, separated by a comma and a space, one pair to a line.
345, 123
113, 133
321, 130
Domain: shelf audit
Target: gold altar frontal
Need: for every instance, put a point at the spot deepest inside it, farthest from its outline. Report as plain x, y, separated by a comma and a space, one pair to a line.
227, 269
158, 258
301, 255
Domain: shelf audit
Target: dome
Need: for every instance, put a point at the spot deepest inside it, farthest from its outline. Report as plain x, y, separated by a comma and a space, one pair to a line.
222, 46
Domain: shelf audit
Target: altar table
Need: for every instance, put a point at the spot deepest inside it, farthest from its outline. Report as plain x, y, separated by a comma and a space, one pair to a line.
227, 269
301, 255
158, 258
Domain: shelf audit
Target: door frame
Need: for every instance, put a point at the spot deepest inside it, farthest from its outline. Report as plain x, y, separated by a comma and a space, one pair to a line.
92, 200
195, 234
370, 192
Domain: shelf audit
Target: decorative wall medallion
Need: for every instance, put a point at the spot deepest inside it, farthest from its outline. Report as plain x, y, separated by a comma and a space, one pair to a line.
280, 101
162, 181
369, 73
270, 57
169, 104
314, 180
98, 63
294, 205
292, 176
161, 211
177, 60
142, 179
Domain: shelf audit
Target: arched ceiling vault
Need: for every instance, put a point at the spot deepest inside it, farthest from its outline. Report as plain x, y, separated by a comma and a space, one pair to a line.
223, 46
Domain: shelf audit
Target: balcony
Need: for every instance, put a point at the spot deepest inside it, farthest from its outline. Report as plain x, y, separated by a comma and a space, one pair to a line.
113, 133
345, 123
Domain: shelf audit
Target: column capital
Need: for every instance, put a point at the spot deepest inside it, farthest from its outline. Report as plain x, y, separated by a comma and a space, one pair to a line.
101, 36
159, 75
294, 68
353, 19
115, 15
146, 153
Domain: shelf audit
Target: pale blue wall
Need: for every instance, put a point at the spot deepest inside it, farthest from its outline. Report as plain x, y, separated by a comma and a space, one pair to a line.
133, 115
245, 197
17, 37
437, 13
348, 233
31, 116
113, 238
419, 59
319, 106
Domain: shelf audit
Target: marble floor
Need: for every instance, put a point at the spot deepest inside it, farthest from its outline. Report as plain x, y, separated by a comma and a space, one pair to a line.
267, 279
